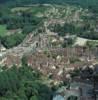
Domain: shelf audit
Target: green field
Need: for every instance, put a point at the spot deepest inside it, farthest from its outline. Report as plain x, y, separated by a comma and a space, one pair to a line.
3, 30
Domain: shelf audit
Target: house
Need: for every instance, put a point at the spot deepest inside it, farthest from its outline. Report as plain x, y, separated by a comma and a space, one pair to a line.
11, 60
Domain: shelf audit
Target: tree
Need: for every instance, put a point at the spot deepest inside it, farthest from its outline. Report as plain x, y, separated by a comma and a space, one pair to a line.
12, 40
23, 84
72, 98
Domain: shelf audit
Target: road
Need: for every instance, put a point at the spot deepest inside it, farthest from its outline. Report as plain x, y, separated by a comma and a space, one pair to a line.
29, 44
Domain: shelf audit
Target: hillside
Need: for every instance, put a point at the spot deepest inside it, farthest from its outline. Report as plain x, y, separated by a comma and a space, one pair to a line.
17, 22
91, 4
46, 45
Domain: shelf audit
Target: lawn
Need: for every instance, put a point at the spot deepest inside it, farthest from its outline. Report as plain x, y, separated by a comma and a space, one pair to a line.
3, 30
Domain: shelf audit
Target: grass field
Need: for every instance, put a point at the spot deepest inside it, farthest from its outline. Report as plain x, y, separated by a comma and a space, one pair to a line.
3, 30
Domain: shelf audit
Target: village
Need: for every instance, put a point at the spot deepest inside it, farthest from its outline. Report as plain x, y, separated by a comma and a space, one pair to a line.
52, 61
66, 61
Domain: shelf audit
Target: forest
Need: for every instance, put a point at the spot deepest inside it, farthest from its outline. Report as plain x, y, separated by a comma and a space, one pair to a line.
25, 21
23, 83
